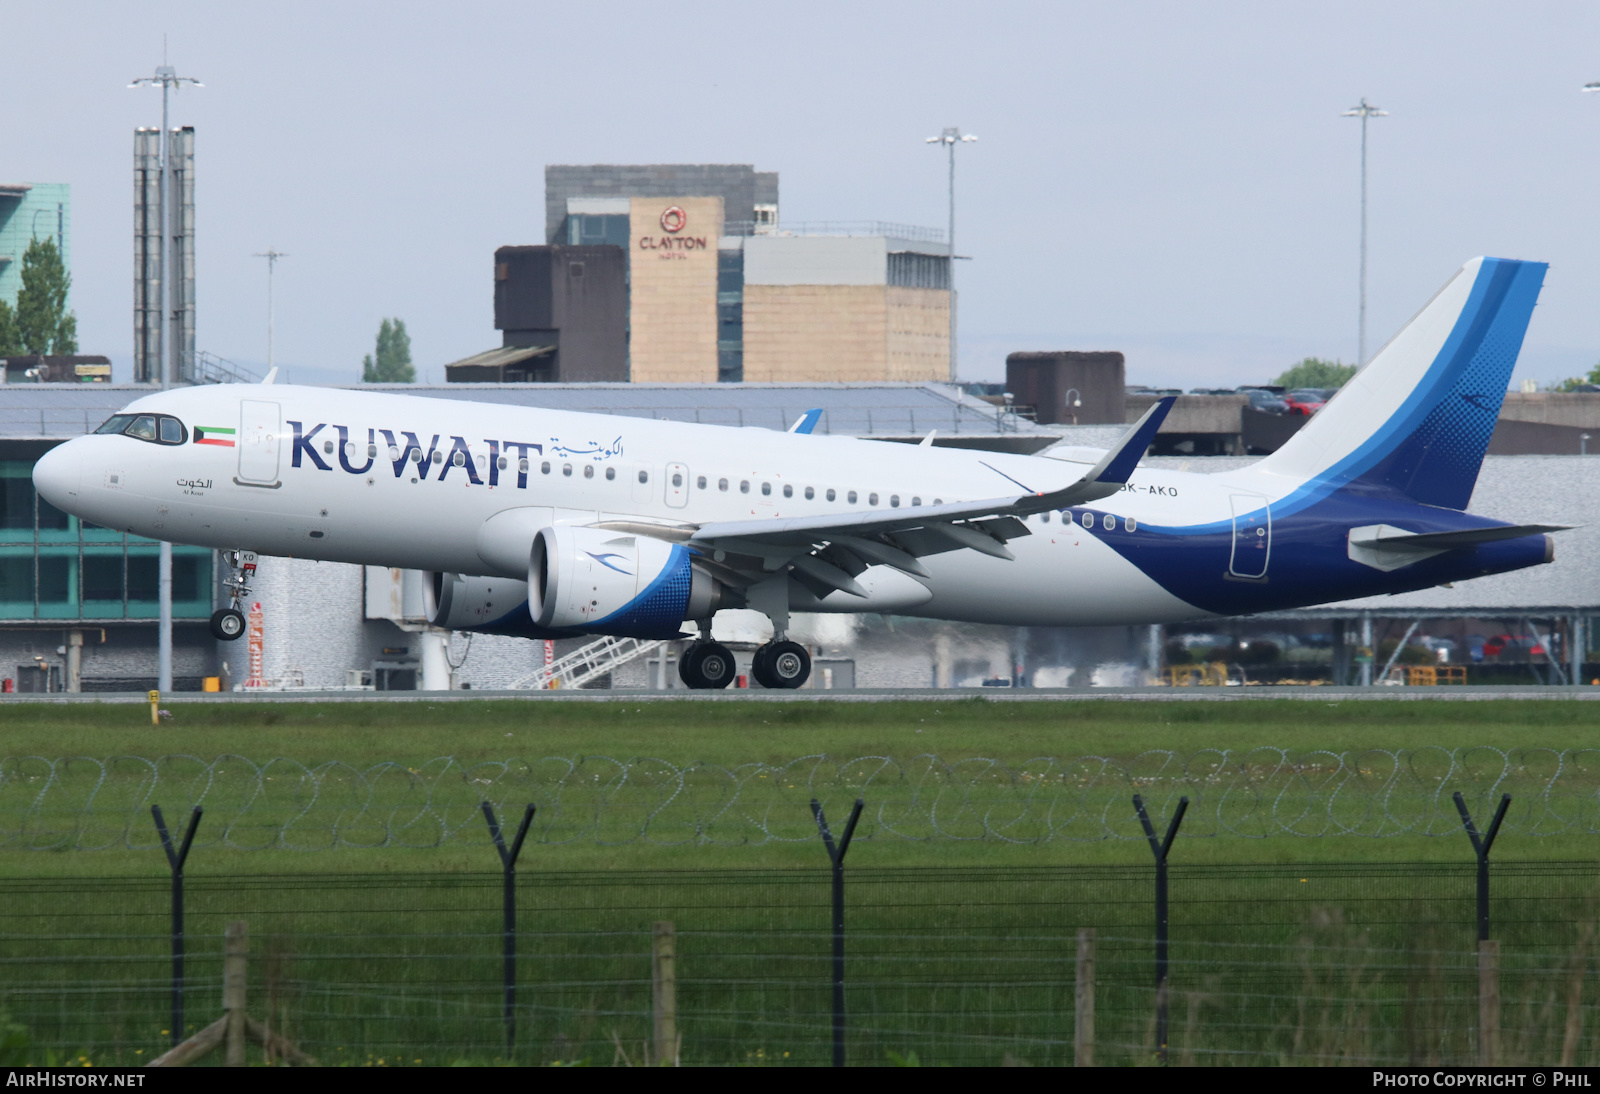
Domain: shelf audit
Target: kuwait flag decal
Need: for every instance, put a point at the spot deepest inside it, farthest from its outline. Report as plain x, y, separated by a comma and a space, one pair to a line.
213, 434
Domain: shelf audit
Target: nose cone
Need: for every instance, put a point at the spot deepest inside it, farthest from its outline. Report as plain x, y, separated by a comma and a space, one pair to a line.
55, 476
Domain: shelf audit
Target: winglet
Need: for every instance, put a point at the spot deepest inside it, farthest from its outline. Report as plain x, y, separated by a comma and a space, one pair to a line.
807, 421
1112, 472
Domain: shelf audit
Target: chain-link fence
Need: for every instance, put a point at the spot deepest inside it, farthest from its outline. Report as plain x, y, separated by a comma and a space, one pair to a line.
88, 804
1357, 963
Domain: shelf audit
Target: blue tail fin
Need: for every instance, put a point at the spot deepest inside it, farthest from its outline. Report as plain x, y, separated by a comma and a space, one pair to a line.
1417, 419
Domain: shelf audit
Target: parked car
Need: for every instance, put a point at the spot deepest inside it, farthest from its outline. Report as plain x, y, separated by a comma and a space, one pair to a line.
1512, 647
1306, 400
1266, 401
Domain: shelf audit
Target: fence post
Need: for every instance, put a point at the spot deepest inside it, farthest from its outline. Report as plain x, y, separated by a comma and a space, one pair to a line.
1083, 1008
1159, 848
235, 954
836, 853
508, 865
1489, 1002
176, 858
664, 984
1480, 847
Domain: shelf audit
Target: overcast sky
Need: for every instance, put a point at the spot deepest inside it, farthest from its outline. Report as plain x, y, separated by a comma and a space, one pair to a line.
1173, 180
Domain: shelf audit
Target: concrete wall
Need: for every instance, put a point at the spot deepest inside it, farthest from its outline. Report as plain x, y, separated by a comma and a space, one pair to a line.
816, 260
1042, 381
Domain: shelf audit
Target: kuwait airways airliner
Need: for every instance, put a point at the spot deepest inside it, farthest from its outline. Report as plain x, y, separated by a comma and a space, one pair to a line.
549, 524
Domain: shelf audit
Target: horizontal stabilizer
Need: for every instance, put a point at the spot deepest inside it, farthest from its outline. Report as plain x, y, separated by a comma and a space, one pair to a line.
1450, 541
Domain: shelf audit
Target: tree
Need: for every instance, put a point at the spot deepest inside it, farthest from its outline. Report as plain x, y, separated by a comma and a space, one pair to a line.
10, 341
390, 361
1315, 372
43, 323
1572, 383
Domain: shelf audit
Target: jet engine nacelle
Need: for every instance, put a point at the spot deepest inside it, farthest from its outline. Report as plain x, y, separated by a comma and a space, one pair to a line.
482, 605
605, 582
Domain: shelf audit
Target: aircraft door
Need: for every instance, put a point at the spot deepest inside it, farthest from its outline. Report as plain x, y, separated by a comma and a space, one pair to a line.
260, 430
677, 485
1252, 536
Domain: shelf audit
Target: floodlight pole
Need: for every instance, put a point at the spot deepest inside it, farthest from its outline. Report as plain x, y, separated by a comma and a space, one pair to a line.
950, 137
1364, 111
271, 254
167, 79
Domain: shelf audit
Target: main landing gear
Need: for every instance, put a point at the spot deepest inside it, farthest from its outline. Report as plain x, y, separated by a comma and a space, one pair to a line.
781, 664
706, 664
227, 624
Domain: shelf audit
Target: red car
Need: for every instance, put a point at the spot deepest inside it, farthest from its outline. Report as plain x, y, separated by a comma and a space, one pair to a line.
1513, 647
1305, 401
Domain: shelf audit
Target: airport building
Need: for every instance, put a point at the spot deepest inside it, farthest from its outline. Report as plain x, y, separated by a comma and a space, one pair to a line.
686, 274
29, 211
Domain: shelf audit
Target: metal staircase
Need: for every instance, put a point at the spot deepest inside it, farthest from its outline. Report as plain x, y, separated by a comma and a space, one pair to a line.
587, 663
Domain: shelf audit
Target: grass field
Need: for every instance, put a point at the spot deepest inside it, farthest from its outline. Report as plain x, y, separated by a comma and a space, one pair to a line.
731, 734
1286, 948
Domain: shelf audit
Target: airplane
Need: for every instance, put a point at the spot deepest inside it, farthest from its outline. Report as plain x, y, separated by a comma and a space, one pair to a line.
543, 523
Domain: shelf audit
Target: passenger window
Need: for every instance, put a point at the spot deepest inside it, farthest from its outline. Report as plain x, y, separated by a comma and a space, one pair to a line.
810, 493
872, 499
459, 459
372, 454
502, 462
788, 491
566, 469
143, 427
416, 455
438, 457
394, 454
327, 448
1108, 522
677, 478
171, 431
766, 489
611, 473
831, 494
522, 467
1088, 520
722, 484
851, 497
644, 476
916, 502
544, 468
588, 470
700, 482
744, 486
894, 501
1130, 524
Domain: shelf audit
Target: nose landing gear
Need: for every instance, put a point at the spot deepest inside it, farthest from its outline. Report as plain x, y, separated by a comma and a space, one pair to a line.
227, 624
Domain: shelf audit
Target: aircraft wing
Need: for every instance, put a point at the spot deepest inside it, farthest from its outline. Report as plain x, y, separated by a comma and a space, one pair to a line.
828, 550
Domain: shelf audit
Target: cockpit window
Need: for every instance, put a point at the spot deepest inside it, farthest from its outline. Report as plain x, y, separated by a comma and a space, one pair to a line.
116, 423
157, 428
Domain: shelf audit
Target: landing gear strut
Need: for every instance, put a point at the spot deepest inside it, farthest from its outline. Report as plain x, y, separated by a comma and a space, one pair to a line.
227, 624
781, 664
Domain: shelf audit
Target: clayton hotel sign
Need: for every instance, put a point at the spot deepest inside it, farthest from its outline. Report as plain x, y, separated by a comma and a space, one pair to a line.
672, 274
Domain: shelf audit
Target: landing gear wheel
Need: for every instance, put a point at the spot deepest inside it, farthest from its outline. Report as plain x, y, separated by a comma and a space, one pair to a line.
781, 665
706, 665
227, 624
